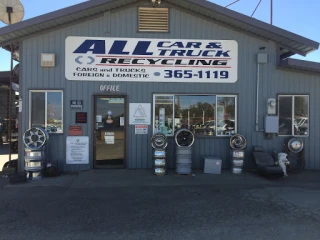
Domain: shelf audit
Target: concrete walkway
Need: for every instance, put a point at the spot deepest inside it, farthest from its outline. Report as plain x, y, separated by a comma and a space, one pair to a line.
106, 178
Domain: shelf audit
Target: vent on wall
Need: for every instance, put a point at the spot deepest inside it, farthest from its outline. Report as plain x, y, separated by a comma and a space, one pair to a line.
153, 19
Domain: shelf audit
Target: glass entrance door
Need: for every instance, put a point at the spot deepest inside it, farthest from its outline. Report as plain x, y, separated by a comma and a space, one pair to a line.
109, 144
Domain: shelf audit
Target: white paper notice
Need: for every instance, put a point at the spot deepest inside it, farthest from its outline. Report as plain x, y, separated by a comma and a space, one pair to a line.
109, 137
121, 121
77, 150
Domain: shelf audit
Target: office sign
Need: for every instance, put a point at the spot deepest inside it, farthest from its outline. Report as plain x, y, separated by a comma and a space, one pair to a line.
151, 60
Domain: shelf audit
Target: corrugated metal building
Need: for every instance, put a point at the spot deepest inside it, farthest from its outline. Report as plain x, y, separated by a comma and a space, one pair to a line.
213, 109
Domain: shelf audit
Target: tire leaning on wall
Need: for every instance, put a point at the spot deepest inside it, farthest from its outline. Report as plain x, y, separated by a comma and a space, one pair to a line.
159, 141
184, 138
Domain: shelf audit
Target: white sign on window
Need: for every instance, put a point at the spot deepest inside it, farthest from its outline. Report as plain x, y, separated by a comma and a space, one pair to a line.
151, 60
77, 150
139, 113
121, 121
109, 137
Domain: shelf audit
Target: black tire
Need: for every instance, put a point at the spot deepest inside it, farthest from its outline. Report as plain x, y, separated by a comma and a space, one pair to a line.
295, 145
11, 164
295, 156
184, 138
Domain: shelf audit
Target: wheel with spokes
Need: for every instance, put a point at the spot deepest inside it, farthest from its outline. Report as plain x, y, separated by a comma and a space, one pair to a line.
184, 138
238, 142
35, 137
159, 140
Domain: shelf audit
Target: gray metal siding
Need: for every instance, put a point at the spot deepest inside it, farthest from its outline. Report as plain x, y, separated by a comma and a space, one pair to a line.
123, 23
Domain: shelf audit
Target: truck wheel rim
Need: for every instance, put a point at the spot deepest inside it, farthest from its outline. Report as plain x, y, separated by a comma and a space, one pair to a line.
184, 138
295, 145
238, 142
159, 140
35, 137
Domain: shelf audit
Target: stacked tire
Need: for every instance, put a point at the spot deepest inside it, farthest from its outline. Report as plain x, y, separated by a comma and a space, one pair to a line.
237, 154
159, 143
184, 140
35, 140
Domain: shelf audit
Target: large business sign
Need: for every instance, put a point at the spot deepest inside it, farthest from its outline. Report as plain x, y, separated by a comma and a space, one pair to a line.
151, 60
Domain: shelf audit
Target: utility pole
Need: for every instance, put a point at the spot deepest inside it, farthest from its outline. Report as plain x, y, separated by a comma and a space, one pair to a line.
271, 11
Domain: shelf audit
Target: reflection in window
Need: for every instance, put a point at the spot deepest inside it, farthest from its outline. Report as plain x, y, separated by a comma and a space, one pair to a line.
301, 115
285, 115
293, 115
196, 113
163, 118
225, 115
38, 102
46, 110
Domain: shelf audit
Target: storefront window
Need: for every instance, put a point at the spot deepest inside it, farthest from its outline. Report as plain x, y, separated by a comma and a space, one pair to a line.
46, 110
293, 115
197, 113
163, 114
226, 115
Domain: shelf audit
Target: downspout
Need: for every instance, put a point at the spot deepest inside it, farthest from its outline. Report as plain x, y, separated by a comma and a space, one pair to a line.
257, 101
262, 58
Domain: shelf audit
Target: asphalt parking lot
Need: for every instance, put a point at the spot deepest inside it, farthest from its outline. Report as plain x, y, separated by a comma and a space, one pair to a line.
134, 204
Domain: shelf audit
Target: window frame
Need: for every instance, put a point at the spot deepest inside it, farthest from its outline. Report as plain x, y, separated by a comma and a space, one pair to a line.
292, 116
235, 96
46, 107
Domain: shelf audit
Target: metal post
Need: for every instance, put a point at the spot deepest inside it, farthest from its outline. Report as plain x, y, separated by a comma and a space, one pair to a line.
10, 101
9, 11
271, 12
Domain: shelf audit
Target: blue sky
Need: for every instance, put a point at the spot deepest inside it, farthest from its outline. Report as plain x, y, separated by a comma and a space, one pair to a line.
300, 17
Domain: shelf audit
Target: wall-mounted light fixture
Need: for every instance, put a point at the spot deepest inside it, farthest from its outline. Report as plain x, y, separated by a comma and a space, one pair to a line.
154, 2
48, 60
